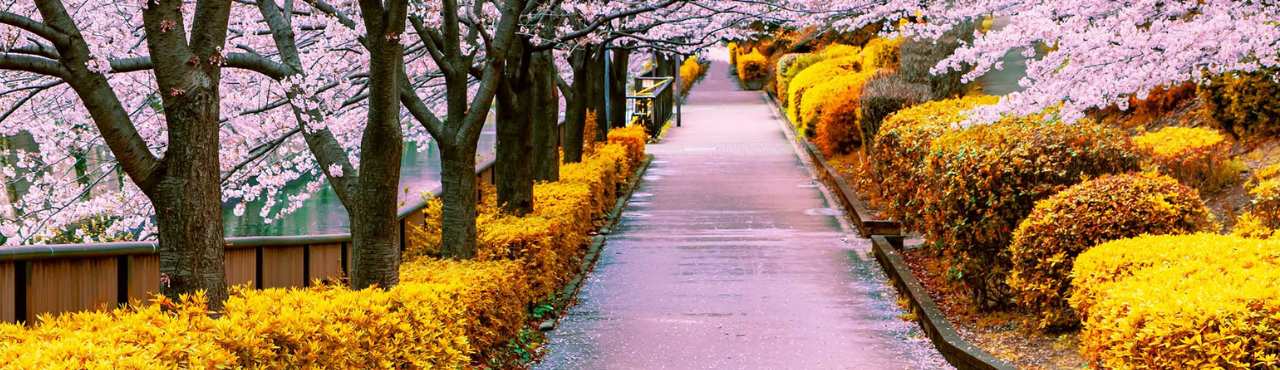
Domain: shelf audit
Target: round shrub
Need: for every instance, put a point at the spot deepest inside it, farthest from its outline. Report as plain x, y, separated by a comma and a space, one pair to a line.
884, 94
1195, 156
881, 53
1066, 224
1190, 301
985, 179
836, 104
752, 66
813, 76
783, 73
807, 60
900, 148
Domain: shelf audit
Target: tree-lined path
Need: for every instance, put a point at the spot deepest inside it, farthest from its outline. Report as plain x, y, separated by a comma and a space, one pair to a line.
728, 257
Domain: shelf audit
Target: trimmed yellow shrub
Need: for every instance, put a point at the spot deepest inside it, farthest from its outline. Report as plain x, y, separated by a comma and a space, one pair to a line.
1194, 301
752, 66
831, 109
633, 138
409, 326
881, 53
901, 146
1196, 156
691, 70
803, 61
803, 113
1070, 222
496, 296
983, 180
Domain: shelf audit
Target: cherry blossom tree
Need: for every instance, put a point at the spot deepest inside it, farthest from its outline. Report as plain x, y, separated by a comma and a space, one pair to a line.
161, 120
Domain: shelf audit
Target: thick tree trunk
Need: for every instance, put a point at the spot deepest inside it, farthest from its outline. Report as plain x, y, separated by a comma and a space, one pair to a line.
514, 163
575, 112
513, 167
545, 111
618, 87
188, 198
375, 236
458, 192
596, 99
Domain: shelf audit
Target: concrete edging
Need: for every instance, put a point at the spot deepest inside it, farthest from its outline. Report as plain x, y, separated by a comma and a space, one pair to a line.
959, 352
570, 290
858, 210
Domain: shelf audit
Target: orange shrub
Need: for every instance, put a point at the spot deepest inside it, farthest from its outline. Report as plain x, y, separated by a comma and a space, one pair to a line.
1070, 222
983, 180
903, 141
834, 107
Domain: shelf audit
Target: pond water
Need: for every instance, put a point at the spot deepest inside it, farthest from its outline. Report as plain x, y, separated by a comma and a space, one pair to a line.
324, 213
1004, 81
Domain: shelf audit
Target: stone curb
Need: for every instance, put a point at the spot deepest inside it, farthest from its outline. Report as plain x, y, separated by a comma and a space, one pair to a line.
959, 352
570, 290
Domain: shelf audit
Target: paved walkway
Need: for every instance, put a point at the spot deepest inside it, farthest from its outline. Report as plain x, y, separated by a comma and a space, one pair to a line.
728, 258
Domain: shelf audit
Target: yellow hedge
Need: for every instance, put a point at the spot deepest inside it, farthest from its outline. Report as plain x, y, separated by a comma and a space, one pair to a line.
633, 138
802, 113
901, 145
983, 180
1193, 301
788, 68
1070, 222
413, 325
1196, 156
836, 107
752, 66
691, 71
443, 314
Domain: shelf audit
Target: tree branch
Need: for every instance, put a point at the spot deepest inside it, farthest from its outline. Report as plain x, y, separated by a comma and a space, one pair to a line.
31, 25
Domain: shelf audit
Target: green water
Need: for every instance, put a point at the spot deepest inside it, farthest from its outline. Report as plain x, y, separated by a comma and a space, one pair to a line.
324, 213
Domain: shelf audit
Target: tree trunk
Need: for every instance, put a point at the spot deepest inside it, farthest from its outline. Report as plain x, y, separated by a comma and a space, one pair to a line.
188, 197
375, 229
514, 163
458, 192
618, 88
596, 99
575, 112
545, 111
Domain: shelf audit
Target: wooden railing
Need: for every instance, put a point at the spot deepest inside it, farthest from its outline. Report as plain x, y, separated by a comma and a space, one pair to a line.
39, 279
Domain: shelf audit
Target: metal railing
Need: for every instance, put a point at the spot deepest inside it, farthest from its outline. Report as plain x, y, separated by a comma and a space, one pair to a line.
652, 102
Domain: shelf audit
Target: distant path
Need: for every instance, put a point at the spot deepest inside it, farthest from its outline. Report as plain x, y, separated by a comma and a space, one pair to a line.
727, 257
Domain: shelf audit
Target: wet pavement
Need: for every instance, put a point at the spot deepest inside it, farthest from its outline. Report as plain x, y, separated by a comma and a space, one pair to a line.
729, 257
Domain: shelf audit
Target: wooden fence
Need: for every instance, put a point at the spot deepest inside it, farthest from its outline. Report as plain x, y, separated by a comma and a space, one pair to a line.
39, 279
